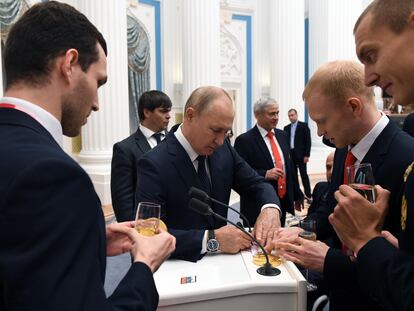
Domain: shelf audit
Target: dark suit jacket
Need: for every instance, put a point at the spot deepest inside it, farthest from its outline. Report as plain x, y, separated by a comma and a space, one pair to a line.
303, 140
165, 175
319, 195
52, 230
389, 156
386, 273
253, 149
126, 154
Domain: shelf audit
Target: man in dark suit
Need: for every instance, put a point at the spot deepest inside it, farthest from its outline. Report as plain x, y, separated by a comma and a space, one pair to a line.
300, 145
266, 149
199, 154
53, 242
154, 114
385, 264
345, 112
321, 189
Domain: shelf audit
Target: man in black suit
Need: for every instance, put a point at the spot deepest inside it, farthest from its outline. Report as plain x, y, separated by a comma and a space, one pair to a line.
154, 114
266, 149
53, 240
385, 264
199, 154
321, 189
300, 146
345, 112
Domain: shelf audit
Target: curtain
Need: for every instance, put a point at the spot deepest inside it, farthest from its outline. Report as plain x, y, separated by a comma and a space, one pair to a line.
138, 67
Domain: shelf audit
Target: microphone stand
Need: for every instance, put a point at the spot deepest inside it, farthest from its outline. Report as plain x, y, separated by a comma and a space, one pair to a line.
204, 197
202, 208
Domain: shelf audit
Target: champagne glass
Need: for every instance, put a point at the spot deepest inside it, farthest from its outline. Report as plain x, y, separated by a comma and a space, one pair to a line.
361, 178
148, 218
308, 233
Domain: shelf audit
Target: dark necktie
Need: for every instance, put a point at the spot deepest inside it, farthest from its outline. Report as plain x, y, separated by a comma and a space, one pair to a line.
202, 174
157, 137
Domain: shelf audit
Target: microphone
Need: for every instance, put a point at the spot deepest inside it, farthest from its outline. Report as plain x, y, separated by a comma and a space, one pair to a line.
204, 209
204, 197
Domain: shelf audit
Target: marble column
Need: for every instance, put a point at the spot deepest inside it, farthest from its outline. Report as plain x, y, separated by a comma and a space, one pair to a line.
110, 124
287, 54
201, 44
331, 24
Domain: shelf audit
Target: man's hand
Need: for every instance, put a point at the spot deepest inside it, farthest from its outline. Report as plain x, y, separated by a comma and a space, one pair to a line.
355, 219
266, 224
282, 235
117, 242
151, 250
274, 174
309, 254
231, 239
305, 160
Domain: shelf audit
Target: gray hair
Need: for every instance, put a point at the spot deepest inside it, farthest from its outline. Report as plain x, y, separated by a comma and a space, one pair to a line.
262, 103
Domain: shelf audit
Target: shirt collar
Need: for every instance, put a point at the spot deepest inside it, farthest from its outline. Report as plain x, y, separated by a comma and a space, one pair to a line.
45, 118
262, 131
147, 132
186, 145
362, 147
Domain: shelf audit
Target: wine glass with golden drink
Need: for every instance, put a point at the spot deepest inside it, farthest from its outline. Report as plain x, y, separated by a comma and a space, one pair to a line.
361, 178
147, 218
308, 233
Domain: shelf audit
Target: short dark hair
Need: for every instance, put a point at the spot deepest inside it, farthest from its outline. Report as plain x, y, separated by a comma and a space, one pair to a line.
44, 32
392, 13
292, 109
152, 100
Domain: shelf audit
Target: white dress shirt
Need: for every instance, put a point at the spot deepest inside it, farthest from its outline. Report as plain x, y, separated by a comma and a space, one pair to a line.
363, 146
263, 132
149, 135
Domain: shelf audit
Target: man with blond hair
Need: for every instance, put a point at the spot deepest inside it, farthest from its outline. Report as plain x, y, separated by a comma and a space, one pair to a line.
198, 154
344, 111
384, 37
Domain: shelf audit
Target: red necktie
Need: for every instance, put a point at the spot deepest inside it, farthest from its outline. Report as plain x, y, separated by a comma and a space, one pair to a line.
350, 160
281, 181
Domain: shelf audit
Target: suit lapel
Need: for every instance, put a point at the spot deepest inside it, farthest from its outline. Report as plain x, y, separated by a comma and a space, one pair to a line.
379, 149
142, 141
285, 148
262, 146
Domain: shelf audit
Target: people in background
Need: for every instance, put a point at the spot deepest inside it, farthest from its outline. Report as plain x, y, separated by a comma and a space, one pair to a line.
320, 191
300, 146
384, 36
199, 154
53, 240
154, 114
266, 149
344, 111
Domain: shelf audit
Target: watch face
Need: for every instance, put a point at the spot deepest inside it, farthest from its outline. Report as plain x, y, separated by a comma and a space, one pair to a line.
212, 245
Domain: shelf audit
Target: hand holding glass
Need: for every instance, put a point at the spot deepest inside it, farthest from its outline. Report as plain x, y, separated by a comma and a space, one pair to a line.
361, 178
148, 218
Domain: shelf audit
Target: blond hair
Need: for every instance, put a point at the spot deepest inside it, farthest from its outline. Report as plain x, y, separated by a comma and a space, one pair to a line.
339, 80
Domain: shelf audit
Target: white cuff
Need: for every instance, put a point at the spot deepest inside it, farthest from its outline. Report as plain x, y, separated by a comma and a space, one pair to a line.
204, 243
272, 205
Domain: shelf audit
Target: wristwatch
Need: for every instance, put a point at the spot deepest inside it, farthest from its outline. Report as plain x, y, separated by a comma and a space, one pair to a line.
212, 244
